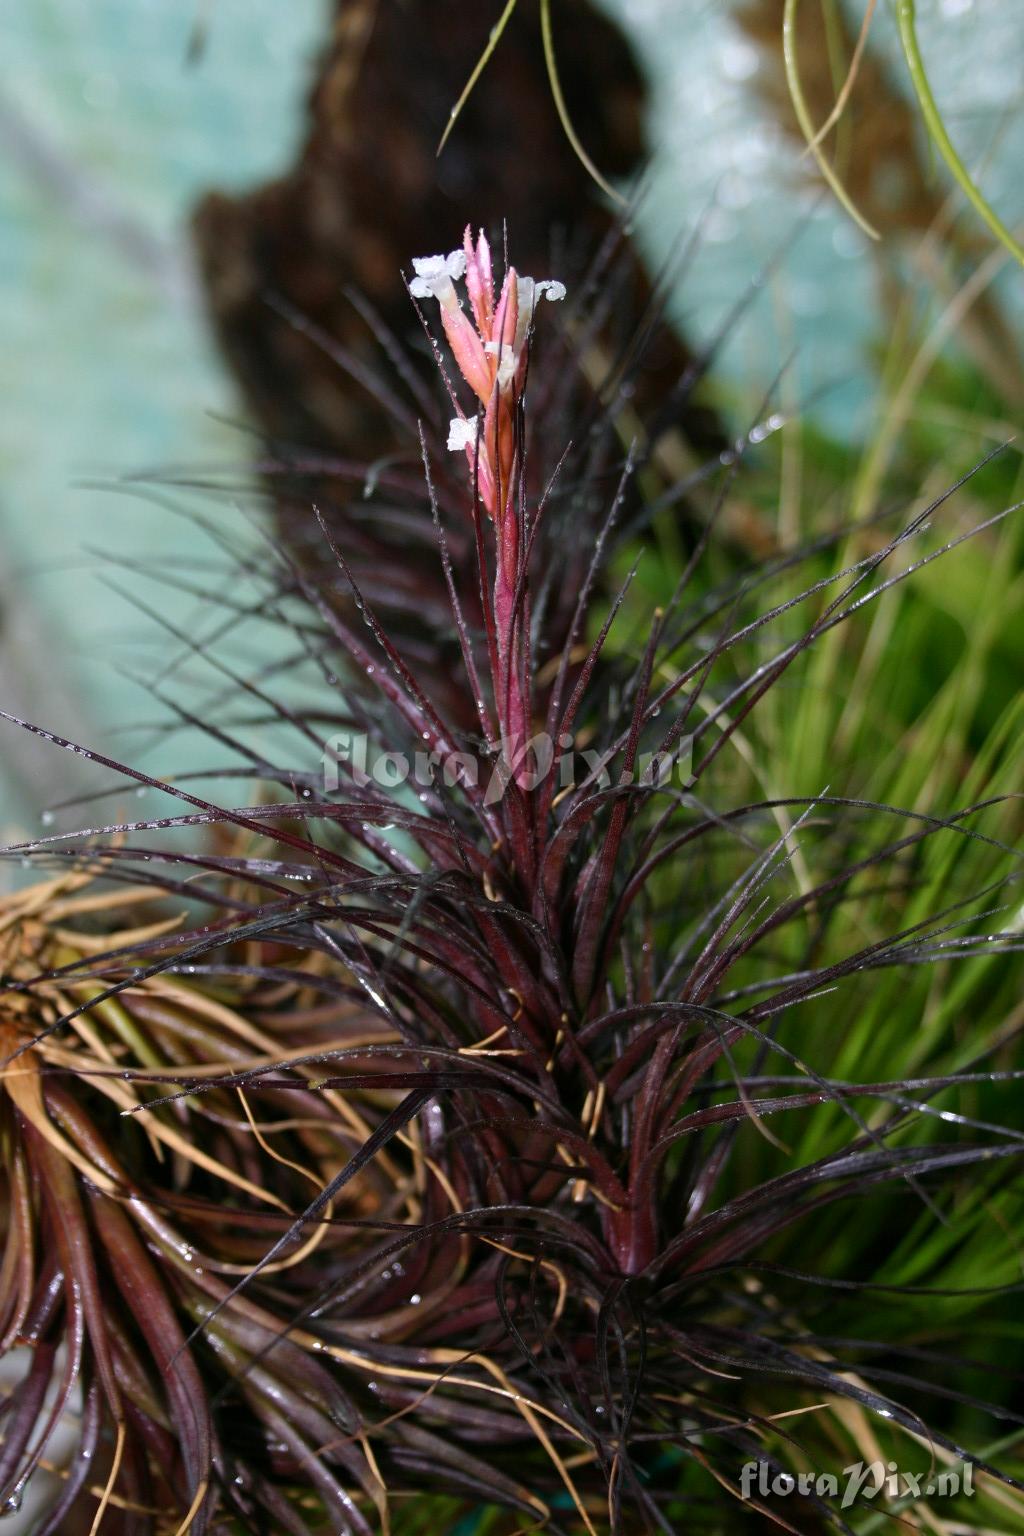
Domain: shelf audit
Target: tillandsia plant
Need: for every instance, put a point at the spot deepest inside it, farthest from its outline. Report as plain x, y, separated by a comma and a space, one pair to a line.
546, 1008
119, 1231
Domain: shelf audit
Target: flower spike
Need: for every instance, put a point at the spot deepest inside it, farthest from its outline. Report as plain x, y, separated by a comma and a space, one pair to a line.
490, 351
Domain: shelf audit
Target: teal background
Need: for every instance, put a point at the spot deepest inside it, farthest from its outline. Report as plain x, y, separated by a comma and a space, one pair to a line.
109, 136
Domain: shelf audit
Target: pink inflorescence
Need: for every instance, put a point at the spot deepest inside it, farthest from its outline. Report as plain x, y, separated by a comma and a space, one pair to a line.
490, 350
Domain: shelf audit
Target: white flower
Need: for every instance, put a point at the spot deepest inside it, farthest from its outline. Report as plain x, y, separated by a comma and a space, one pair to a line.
434, 275
461, 434
527, 294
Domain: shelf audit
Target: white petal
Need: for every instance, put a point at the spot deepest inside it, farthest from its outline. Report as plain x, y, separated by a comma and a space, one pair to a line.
429, 266
525, 290
552, 289
461, 434
434, 276
506, 367
525, 295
